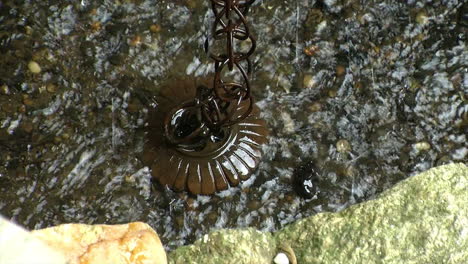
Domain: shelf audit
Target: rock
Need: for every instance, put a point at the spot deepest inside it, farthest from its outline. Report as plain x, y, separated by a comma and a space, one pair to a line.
305, 180
19, 246
288, 123
281, 258
425, 213
4, 89
422, 146
309, 81
423, 219
34, 67
129, 243
228, 246
343, 146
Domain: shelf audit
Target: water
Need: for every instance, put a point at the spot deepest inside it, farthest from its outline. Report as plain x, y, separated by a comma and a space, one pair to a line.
369, 92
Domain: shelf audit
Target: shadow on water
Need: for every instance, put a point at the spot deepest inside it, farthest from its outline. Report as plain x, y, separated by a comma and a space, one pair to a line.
359, 95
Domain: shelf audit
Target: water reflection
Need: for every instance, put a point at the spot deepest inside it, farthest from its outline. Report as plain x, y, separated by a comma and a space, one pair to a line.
388, 78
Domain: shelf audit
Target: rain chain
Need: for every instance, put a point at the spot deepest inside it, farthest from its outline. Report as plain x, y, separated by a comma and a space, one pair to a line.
213, 141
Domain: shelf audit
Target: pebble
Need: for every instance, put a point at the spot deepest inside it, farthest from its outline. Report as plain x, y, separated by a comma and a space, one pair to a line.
343, 146
51, 88
423, 145
96, 26
22, 108
65, 136
130, 179
288, 123
27, 101
309, 81
212, 217
253, 205
305, 180
190, 204
34, 67
311, 50
135, 41
281, 258
4, 90
315, 107
340, 70
421, 18
332, 93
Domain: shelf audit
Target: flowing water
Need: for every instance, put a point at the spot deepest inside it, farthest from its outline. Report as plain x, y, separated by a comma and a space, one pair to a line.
365, 93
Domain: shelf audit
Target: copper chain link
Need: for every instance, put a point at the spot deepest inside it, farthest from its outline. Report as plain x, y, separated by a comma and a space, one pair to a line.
228, 102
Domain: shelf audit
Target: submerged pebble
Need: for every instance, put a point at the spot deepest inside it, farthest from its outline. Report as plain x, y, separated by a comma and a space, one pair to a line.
309, 81
34, 67
4, 89
305, 180
343, 146
423, 145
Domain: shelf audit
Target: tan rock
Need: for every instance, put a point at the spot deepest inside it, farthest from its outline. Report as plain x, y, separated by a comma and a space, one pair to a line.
135, 243
34, 67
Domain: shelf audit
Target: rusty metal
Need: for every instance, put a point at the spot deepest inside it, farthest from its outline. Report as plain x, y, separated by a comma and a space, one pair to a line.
206, 139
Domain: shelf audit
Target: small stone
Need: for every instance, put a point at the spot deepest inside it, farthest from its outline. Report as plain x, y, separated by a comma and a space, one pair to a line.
34, 67
281, 258
315, 107
253, 204
421, 18
190, 204
332, 93
27, 101
65, 136
212, 217
340, 70
351, 171
136, 40
343, 146
288, 123
305, 180
22, 108
309, 81
4, 90
129, 243
28, 30
311, 50
51, 88
155, 28
42, 89
422, 146
130, 178
96, 26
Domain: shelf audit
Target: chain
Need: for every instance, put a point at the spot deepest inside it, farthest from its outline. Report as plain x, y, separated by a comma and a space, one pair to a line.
228, 102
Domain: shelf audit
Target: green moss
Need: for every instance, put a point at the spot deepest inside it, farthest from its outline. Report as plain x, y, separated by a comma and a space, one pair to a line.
423, 219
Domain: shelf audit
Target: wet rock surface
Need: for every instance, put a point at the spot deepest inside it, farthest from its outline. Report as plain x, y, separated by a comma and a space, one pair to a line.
422, 220
368, 92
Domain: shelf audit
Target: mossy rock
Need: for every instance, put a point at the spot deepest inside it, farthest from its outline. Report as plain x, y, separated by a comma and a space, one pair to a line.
423, 219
